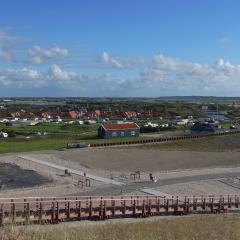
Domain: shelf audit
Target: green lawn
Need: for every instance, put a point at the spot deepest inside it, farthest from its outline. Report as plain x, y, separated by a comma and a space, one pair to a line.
25, 145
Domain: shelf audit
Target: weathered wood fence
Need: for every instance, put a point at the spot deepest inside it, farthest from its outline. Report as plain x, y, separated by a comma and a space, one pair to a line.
55, 210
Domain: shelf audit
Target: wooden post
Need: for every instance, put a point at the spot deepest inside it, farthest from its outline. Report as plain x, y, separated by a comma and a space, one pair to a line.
88, 182
113, 207
105, 209
236, 201
143, 208
194, 203
101, 209
80, 183
1, 215
204, 204
28, 212
53, 212
212, 205
79, 209
40, 211
188, 205
134, 208
158, 205
223, 204
185, 205
150, 207
68, 209
65, 203
57, 212
13, 211
167, 205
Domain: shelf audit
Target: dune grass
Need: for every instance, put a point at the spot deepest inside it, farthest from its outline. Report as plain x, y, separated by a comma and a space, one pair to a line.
216, 143
220, 227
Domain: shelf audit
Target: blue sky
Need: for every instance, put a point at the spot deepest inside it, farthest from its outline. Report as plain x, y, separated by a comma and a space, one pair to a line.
122, 48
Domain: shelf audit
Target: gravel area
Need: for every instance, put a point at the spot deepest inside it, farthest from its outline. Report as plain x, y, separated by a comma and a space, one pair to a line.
199, 188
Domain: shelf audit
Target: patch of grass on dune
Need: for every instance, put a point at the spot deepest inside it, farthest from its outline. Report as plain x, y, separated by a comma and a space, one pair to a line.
219, 227
217, 143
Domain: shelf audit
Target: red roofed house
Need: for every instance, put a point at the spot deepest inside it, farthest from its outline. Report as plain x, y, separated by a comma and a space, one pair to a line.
73, 114
118, 130
45, 115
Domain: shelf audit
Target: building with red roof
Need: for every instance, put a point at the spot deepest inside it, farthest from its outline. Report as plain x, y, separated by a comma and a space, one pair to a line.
118, 130
73, 114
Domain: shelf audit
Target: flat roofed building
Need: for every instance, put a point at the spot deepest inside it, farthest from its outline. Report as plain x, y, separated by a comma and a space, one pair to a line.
118, 130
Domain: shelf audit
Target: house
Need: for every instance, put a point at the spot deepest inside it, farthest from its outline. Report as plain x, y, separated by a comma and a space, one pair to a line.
45, 115
205, 127
73, 114
98, 112
118, 130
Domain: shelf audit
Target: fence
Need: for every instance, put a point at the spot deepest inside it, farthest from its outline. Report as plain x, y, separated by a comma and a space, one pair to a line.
54, 210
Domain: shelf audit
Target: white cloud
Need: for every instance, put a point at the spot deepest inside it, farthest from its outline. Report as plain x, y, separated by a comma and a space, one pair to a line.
158, 75
38, 55
225, 40
56, 73
111, 61
120, 63
6, 43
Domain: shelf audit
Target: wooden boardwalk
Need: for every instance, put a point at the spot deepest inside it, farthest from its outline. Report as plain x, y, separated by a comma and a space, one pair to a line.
55, 210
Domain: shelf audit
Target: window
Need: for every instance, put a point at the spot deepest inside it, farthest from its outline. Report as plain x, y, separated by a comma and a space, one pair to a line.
132, 133
122, 134
114, 134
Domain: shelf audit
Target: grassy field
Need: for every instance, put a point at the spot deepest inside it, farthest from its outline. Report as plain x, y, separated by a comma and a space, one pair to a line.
218, 143
219, 227
52, 143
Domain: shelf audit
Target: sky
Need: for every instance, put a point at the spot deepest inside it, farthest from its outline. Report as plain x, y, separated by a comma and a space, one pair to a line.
112, 48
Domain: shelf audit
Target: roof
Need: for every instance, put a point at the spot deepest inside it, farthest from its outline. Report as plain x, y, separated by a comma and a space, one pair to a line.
98, 112
73, 114
122, 126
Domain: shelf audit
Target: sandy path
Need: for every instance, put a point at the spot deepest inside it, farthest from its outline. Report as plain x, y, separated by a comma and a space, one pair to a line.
73, 171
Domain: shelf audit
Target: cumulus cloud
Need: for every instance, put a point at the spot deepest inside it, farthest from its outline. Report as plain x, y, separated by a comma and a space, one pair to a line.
55, 76
6, 43
38, 55
120, 63
158, 75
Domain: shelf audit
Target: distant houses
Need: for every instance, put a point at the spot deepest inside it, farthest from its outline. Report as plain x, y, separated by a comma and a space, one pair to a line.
118, 130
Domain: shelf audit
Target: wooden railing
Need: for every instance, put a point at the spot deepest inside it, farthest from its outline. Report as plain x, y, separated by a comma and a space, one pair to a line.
54, 210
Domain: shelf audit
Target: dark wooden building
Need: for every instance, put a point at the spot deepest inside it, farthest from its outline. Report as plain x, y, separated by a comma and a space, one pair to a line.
118, 130
205, 127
